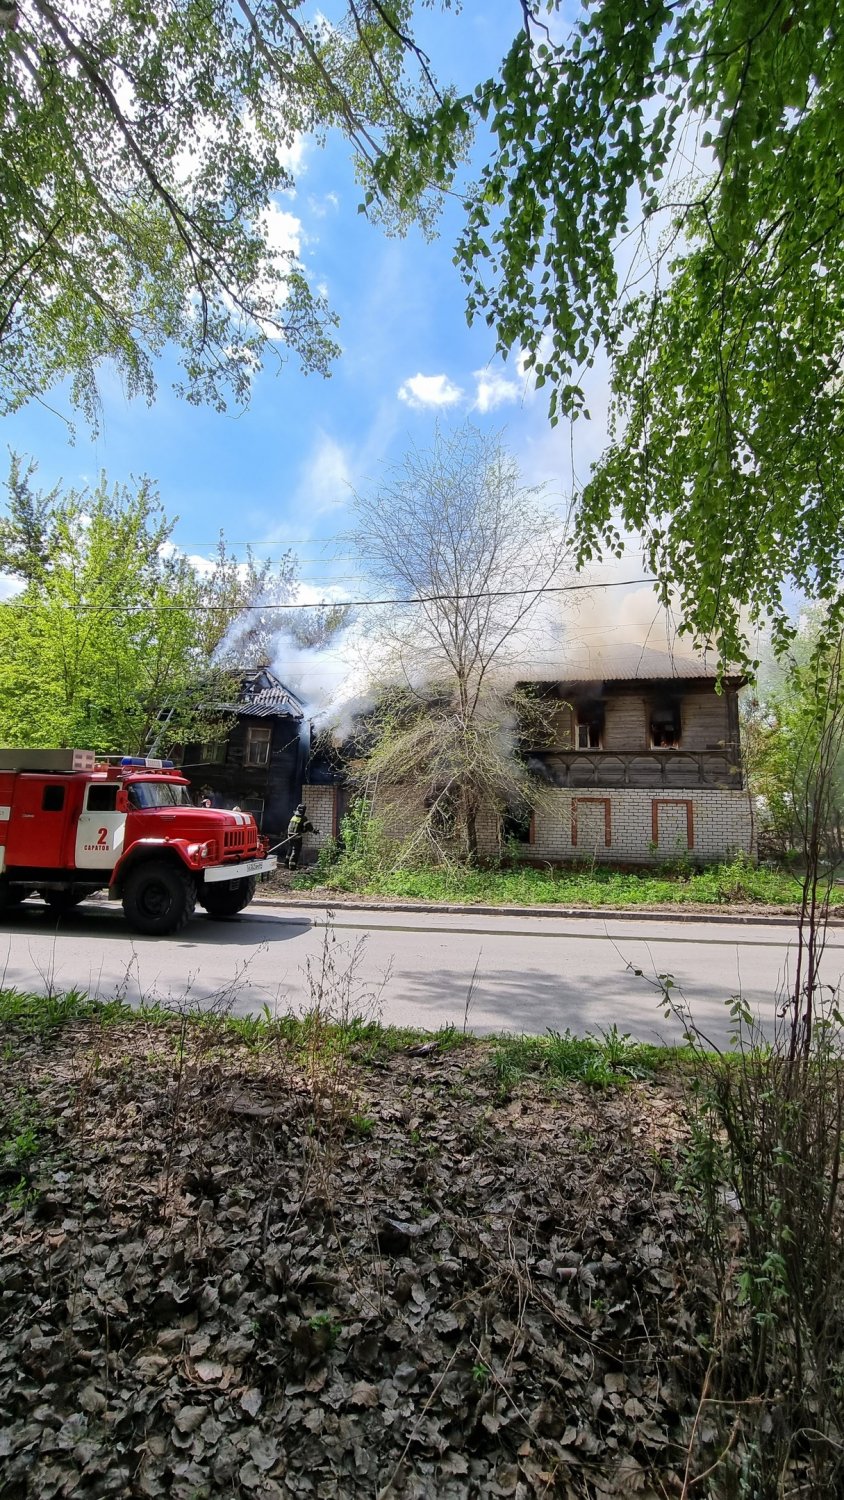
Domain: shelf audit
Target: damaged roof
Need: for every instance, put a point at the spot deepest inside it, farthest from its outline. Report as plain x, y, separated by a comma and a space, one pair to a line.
264, 696
628, 662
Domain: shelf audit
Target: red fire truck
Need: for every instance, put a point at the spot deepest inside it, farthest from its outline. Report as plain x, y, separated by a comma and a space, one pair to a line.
70, 825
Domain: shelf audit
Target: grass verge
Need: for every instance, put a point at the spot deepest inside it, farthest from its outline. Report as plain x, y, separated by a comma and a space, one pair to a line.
738, 883
607, 1060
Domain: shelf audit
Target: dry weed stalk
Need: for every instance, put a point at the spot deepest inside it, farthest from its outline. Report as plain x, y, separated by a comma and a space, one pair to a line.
767, 1128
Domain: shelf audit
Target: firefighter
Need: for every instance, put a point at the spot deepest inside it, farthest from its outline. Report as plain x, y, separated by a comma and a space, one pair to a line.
296, 830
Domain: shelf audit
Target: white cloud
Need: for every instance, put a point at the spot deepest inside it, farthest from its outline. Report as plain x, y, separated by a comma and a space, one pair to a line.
326, 477
291, 154
430, 390
285, 236
204, 566
284, 230
319, 207
494, 390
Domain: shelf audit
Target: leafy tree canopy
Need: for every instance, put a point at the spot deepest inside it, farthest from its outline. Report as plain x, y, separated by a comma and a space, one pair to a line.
116, 641
664, 185
661, 184
140, 149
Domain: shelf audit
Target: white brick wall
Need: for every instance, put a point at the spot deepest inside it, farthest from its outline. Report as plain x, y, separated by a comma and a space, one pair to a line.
721, 824
319, 800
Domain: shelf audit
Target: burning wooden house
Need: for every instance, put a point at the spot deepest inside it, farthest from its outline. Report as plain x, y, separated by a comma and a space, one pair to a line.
643, 766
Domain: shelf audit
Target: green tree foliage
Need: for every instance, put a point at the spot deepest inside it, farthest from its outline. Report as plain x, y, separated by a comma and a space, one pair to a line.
670, 171
140, 151
793, 737
114, 641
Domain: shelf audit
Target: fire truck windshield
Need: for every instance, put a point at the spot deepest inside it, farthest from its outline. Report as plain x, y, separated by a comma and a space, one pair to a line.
158, 794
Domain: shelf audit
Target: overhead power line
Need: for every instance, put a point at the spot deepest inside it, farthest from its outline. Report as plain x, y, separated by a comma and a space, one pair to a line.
538, 589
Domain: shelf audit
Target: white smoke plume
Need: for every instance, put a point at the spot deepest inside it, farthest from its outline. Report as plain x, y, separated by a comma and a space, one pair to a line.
583, 633
606, 627
335, 682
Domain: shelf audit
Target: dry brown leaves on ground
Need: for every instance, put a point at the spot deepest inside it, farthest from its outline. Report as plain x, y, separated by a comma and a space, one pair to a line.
245, 1272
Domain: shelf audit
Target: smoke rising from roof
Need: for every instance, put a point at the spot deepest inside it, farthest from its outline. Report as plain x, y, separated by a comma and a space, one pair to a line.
616, 631
608, 629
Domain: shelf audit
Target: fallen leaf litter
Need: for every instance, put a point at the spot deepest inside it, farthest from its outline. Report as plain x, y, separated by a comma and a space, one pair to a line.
235, 1273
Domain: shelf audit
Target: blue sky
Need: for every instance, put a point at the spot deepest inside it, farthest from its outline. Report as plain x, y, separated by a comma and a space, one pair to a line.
281, 470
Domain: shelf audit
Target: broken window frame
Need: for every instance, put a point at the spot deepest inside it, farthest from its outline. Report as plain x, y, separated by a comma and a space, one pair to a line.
592, 729
258, 737
517, 825
665, 714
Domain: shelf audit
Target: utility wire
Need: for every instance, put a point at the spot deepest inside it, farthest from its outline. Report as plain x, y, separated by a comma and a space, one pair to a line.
537, 589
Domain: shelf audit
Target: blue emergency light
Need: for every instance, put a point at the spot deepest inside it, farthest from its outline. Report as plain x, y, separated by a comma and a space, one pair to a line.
145, 760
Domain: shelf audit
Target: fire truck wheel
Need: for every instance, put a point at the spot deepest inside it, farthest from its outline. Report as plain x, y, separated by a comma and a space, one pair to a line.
227, 901
158, 898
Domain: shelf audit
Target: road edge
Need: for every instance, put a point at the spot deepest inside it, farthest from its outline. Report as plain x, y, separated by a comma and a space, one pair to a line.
601, 913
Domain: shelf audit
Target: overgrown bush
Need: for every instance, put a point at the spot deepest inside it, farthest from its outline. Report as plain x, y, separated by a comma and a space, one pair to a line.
357, 855
765, 1167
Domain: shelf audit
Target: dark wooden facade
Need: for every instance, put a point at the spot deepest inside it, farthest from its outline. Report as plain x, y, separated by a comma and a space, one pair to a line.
674, 733
260, 766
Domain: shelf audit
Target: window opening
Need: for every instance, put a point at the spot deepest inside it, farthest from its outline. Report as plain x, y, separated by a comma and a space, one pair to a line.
258, 745
214, 753
53, 799
518, 826
665, 726
442, 815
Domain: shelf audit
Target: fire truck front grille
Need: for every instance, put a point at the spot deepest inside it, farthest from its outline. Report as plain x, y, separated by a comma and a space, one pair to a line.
239, 842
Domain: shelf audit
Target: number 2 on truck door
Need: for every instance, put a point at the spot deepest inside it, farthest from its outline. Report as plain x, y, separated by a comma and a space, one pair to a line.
99, 833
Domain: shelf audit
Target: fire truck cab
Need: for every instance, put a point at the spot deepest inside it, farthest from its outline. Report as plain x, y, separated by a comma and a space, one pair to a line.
71, 825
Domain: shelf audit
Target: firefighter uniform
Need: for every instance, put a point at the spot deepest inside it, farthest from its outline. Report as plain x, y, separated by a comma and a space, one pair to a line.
296, 830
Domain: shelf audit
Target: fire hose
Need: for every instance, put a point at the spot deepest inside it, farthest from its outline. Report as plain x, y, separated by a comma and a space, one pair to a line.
289, 840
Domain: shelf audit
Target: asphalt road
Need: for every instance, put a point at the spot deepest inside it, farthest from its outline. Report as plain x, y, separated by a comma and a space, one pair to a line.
419, 969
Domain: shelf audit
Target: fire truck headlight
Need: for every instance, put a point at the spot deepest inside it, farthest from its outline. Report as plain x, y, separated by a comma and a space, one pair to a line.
198, 852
